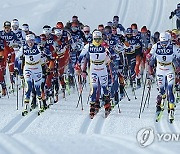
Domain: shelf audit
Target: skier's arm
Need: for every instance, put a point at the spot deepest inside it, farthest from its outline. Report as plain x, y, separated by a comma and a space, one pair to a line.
83, 53
172, 14
177, 56
19, 54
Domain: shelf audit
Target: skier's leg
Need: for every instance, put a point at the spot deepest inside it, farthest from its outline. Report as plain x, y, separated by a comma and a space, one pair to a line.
94, 84
171, 98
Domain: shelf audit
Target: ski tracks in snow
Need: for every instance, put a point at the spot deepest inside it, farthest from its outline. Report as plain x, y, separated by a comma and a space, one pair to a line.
19, 123
12, 145
95, 125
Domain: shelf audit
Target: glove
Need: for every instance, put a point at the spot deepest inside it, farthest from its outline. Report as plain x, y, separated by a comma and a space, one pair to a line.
84, 74
41, 48
172, 14
122, 38
22, 77
77, 68
48, 71
16, 72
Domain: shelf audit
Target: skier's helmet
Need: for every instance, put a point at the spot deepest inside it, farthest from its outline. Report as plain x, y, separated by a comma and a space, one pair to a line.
175, 33
60, 25
156, 35
97, 36
144, 29
30, 37
178, 6
58, 32
7, 24
46, 29
25, 27
129, 31
164, 38
15, 24
43, 37
115, 20
134, 26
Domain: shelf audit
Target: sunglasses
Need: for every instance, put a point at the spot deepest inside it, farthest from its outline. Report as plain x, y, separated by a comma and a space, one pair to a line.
86, 31
97, 39
7, 27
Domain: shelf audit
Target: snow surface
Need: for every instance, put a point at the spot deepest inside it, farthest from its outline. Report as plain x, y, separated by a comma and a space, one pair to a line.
65, 129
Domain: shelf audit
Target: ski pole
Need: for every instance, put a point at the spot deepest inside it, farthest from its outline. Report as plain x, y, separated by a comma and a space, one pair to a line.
142, 96
88, 98
23, 93
147, 98
119, 107
76, 83
80, 97
7, 92
126, 94
17, 101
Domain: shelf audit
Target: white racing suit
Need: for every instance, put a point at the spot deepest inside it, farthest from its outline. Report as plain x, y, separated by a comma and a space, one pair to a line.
98, 68
32, 69
165, 70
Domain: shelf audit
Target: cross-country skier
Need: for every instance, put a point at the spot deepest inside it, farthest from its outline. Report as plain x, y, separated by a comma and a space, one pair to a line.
120, 28
87, 33
32, 70
11, 42
177, 13
164, 53
98, 70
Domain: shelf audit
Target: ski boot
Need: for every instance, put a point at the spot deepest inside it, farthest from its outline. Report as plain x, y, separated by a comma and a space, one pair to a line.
26, 106
40, 106
63, 90
116, 98
112, 103
51, 97
177, 88
92, 110
160, 106
44, 104
4, 92
56, 98
107, 105
97, 106
158, 113
171, 112
138, 84
51, 101
122, 95
71, 81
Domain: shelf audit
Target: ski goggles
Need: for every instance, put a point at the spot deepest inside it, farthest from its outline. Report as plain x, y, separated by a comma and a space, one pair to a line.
97, 39
86, 32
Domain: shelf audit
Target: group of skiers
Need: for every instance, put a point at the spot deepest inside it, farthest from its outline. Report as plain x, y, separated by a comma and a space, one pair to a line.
112, 56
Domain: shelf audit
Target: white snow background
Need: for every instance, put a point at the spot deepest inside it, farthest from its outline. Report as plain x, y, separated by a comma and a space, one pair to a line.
65, 129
